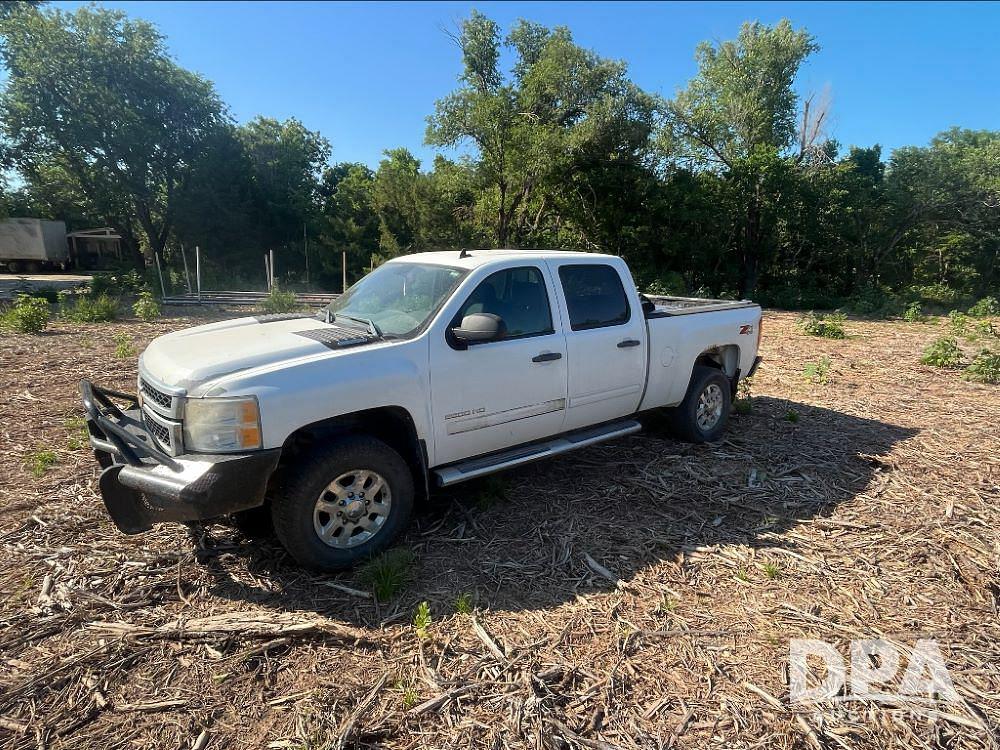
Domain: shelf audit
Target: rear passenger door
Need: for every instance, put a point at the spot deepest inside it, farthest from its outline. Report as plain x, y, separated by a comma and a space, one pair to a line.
605, 342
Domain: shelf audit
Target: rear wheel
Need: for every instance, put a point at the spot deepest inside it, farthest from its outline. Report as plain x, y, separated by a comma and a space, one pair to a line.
703, 414
342, 504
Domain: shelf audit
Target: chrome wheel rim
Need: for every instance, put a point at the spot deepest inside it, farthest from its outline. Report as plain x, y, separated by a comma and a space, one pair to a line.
352, 509
710, 404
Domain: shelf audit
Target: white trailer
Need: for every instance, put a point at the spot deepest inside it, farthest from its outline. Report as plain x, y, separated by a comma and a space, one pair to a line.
32, 245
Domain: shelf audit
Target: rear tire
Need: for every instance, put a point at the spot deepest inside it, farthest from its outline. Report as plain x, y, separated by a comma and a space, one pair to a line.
343, 503
703, 414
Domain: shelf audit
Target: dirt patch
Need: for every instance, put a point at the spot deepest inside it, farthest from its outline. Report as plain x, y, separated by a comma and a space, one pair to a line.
637, 594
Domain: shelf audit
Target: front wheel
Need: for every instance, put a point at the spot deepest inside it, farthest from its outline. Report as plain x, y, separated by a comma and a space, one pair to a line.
702, 416
342, 504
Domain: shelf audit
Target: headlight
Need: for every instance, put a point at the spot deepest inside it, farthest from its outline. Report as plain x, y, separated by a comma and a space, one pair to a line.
222, 425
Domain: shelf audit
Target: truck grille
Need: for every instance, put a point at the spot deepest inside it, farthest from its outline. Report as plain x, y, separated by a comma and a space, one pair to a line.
159, 397
160, 433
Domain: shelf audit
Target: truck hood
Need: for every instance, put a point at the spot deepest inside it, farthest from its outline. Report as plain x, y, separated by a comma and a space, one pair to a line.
195, 356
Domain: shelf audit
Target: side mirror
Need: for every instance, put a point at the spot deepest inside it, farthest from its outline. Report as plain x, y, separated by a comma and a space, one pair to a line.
479, 327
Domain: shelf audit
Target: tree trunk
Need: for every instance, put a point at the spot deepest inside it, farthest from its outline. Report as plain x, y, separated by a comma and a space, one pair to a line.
751, 251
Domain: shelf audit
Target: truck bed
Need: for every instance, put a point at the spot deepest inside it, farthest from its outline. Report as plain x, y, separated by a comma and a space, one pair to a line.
671, 306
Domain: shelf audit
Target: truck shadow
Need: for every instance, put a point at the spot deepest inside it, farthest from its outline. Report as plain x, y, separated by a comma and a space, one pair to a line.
536, 537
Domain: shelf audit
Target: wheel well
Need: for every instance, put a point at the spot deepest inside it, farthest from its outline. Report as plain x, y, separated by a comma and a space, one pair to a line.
725, 358
390, 424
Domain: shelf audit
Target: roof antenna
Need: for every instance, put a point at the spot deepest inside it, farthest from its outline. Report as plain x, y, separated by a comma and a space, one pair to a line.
464, 254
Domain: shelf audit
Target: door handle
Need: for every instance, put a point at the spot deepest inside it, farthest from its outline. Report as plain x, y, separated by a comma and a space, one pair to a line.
628, 342
546, 357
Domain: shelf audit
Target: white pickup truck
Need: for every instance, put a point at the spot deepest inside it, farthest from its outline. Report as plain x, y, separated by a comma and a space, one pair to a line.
433, 369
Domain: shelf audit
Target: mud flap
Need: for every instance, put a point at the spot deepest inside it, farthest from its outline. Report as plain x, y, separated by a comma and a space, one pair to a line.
125, 505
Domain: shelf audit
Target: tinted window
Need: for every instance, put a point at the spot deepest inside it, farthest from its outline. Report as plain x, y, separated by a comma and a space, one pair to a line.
594, 295
518, 296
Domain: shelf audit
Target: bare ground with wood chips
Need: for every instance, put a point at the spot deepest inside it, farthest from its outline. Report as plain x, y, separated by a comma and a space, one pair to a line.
636, 594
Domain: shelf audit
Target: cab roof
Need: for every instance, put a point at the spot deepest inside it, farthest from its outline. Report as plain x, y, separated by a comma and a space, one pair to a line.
476, 258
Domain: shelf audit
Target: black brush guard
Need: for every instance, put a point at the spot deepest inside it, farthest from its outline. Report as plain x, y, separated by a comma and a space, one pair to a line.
141, 485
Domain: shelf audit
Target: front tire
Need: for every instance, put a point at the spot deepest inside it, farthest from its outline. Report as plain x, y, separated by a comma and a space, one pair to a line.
703, 414
342, 504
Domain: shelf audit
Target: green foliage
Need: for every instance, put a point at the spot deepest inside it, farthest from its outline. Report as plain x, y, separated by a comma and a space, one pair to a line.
128, 283
984, 368
792, 416
78, 434
279, 301
818, 372
27, 315
986, 307
914, 313
743, 403
86, 309
422, 619
772, 570
124, 348
387, 574
120, 72
942, 352
827, 326
40, 461
464, 604
146, 307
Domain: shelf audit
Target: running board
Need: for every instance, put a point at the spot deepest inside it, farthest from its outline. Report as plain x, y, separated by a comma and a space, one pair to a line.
477, 467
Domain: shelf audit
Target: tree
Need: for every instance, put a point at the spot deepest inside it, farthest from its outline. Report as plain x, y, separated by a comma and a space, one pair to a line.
94, 101
737, 117
351, 222
526, 126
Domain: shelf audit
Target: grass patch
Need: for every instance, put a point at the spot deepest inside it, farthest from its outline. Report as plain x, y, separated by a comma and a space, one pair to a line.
40, 461
818, 372
942, 352
387, 574
985, 368
27, 315
771, 570
792, 416
124, 348
824, 325
78, 434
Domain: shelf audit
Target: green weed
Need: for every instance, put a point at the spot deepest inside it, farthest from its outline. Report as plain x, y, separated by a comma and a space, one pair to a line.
464, 604
985, 368
387, 574
827, 326
914, 313
422, 619
28, 315
771, 570
985, 307
124, 348
792, 416
818, 372
146, 307
100, 309
279, 302
40, 461
942, 352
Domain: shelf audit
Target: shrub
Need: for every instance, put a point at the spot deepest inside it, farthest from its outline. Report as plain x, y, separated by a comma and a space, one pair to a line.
914, 313
942, 352
146, 307
279, 302
986, 307
124, 349
124, 284
818, 372
827, 326
985, 368
28, 315
47, 293
92, 310
958, 322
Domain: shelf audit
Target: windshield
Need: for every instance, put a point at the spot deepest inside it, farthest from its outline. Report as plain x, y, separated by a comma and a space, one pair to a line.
398, 297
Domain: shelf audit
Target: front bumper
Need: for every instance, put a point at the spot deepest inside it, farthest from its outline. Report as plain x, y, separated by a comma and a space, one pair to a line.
141, 485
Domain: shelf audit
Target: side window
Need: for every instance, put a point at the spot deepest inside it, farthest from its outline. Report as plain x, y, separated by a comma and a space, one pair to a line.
518, 296
594, 295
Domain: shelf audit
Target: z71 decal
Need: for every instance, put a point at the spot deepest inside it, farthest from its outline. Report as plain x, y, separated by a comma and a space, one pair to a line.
746, 330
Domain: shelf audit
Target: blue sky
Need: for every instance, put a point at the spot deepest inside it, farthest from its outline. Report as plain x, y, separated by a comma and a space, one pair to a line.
366, 74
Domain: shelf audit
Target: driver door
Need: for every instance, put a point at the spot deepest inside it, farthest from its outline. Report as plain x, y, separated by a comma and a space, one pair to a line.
495, 394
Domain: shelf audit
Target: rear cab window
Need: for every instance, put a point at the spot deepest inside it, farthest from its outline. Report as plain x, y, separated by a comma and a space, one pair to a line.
595, 296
